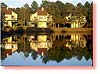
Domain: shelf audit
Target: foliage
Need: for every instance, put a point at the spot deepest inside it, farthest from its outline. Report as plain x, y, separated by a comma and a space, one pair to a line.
59, 52
3, 5
57, 9
34, 6
23, 14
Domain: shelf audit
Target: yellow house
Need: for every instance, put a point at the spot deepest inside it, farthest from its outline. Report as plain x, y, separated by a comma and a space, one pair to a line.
41, 18
10, 17
41, 45
10, 44
76, 21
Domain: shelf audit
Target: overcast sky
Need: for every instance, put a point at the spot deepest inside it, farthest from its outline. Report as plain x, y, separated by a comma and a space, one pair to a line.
20, 3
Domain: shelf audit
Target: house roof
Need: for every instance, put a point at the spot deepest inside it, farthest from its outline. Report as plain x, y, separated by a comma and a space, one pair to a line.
40, 50
6, 10
41, 11
8, 51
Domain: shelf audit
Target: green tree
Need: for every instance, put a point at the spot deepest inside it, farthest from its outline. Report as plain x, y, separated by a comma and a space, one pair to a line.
27, 12
90, 16
87, 4
2, 13
34, 55
61, 8
69, 8
3, 5
89, 13
23, 14
53, 9
34, 6
2, 18
44, 3
80, 9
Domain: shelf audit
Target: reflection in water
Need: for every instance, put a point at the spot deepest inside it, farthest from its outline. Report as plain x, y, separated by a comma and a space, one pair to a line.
55, 47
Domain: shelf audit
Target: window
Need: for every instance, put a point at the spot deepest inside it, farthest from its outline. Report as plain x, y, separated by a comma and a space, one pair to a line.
34, 17
40, 17
12, 16
45, 17
6, 16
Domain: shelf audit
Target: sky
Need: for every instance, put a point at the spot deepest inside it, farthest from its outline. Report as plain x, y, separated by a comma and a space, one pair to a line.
19, 59
20, 3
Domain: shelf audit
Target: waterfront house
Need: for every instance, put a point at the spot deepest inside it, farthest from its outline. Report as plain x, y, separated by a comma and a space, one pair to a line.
41, 18
6, 53
41, 45
10, 17
76, 21
72, 40
10, 44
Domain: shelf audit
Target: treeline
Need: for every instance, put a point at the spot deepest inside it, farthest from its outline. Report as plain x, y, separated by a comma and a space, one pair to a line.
57, 9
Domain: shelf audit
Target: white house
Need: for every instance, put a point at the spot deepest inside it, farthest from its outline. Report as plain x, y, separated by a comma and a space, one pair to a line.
10, 17
41, 18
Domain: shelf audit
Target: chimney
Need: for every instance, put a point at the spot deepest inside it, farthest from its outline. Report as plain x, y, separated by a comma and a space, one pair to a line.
42, 9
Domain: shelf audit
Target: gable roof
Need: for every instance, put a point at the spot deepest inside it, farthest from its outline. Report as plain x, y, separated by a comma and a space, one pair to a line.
6, 10
41, 11
40, 50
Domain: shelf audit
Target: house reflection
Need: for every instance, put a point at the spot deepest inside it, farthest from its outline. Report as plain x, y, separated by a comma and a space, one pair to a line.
72, 40
55, 46
41, 44
9, 46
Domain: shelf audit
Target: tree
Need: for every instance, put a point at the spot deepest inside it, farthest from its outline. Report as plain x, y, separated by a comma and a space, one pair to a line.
79, 9
89, 13
2, 13
61, 8
44, 3
26, 6
27, 11
34, 55
34, 6
2, 18
87, 5
23, 14
3, 5
69, 8
53, 9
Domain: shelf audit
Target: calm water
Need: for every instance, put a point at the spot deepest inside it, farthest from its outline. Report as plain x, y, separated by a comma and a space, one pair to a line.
56, 49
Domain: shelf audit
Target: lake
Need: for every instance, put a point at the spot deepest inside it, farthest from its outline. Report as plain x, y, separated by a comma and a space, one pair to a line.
43, 49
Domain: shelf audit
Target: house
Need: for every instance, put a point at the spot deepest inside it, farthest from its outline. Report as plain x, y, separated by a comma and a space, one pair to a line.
41, 18
6, 53
41, 45
10, 17
76, 21
10, 44
72, 40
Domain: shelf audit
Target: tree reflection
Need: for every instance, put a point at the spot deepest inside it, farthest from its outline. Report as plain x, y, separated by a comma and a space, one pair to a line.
34, 55
59, 52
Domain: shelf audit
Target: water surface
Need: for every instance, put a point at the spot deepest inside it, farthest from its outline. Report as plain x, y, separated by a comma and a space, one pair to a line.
56, 49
